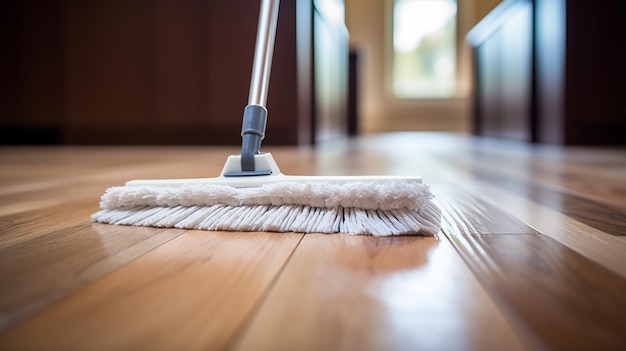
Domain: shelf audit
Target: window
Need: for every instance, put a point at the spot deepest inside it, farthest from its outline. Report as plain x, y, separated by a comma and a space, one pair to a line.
424, 49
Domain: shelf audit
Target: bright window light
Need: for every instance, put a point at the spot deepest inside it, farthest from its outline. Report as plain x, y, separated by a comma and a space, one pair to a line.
333, 9
424, 48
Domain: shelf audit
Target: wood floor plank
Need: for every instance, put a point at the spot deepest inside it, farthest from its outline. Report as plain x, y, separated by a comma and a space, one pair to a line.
26, 225
537, 255
597, 174
88, 186
600, 185
50, 265
466, 214
463, 213
191, 293
362, 293
565, 299
607, 218
587, 208
608, 250
30, 169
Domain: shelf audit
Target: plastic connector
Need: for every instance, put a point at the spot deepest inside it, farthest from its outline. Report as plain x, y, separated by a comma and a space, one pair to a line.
252, 132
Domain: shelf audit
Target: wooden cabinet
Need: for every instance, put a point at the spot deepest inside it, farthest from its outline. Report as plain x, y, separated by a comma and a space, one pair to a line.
551, 71
581, 71
164, 72
504, 73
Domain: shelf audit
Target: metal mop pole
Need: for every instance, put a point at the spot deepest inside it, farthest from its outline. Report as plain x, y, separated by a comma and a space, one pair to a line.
255, 113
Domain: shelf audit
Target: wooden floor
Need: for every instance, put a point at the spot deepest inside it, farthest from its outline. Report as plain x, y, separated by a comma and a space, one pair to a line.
532, 255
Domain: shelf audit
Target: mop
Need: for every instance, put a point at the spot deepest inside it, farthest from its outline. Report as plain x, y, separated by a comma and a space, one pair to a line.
252, 194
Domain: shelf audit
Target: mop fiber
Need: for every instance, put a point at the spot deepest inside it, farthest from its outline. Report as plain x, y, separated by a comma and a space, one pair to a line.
379, 208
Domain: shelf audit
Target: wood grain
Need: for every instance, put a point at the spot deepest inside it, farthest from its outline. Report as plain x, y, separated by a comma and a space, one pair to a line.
54, 264
363, 293
26, 225
190, 294
596, 173
605, 249
531, 254
565, 299
589, 186
466, 214
607, 218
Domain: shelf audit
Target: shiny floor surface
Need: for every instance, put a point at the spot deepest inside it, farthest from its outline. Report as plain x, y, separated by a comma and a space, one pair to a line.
531, 255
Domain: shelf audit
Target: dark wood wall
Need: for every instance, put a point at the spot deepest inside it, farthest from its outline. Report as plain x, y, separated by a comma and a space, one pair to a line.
552, 71
156, 71
32, 70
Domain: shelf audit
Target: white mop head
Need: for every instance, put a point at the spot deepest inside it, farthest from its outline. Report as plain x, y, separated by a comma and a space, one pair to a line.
391, 207
354, 205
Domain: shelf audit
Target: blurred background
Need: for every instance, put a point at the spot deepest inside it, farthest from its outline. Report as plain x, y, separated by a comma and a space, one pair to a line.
177, 72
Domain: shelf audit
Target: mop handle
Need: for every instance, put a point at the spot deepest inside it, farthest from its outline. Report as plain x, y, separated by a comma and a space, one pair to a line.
255, 113
263, 52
